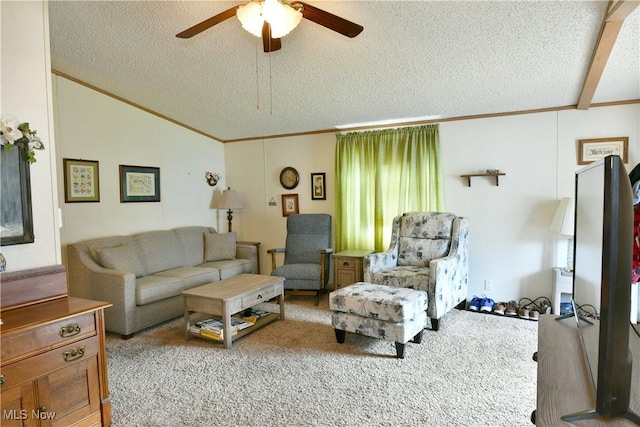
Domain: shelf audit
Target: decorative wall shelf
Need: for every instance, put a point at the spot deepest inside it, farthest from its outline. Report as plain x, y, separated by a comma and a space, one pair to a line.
496, 174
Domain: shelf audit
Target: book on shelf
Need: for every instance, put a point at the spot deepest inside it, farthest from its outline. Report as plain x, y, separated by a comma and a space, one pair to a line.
214, 335
239, 323
253, 315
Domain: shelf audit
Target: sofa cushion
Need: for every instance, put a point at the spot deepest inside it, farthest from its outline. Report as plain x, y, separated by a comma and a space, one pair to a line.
161, 250
219, 246
424, 236
95, 245
192, 276
404, 277
121, 258
192, 239
419, 252
230, 267
154, 288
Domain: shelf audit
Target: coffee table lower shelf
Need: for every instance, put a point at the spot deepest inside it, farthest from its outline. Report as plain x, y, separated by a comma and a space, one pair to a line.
259, 323
231, 296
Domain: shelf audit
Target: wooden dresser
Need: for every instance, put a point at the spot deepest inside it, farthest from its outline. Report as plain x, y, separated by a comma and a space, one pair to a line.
52, 356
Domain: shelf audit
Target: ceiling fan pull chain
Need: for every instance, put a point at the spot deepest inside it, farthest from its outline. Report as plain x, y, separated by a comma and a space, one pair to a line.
257, 79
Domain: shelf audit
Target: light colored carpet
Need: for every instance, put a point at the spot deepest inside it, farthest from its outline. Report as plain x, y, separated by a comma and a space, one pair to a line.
476, 371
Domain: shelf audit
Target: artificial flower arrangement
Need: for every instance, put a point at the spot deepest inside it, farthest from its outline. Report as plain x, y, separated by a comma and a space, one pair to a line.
12, 132
212, 177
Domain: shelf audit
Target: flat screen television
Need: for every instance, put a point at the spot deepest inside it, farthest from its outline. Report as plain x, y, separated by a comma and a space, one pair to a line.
603, 247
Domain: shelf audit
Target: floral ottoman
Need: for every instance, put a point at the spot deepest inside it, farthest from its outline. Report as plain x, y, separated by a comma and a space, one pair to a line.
379, 311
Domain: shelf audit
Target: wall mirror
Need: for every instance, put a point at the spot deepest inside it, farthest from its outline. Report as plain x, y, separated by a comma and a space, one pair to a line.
16, 218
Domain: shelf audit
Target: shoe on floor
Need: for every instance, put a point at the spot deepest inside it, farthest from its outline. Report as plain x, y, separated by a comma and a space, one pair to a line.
512, 309
534, 314
475, 303
499, 308
523, 313
487, 305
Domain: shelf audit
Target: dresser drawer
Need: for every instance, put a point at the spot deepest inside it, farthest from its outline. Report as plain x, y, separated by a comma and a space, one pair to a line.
43, 338
346, 263
37, 366
261, 295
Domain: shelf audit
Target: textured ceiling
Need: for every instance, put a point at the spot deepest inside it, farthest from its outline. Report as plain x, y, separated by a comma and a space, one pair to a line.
413, 59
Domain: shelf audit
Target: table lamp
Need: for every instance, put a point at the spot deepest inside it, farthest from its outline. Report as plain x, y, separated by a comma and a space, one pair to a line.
229, 201
563, 223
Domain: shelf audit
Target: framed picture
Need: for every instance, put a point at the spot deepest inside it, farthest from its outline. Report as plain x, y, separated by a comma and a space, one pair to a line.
139, 184
590, 150
81, 181
289, 204
318, 187
16, 216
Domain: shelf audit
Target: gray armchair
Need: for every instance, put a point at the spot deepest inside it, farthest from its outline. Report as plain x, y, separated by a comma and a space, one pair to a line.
428, 251
306, 256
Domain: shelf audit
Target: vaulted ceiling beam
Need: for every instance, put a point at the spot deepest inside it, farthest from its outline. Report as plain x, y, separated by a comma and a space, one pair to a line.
617, 11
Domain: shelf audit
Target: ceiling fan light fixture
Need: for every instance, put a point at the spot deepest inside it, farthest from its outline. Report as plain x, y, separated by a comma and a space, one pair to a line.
250, 16
282, 17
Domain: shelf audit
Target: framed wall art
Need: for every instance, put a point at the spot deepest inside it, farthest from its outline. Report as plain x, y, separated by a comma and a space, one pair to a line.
139, 184
590, 150
318, 186
16, 218
289, 204
81, 181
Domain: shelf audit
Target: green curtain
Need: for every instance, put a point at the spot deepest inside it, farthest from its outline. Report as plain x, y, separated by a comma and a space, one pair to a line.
381, 174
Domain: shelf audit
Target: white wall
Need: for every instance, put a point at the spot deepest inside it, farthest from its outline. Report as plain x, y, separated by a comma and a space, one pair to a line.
253, 169
26, 95
510, 240
94, 126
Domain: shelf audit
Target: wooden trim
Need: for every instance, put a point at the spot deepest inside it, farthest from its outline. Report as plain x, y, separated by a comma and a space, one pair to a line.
333, 130
611, 25
133, 104
621, 10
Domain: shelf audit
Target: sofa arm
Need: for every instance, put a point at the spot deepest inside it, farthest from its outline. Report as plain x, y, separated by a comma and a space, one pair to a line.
87, 279
450, 274
379, 261
249, 250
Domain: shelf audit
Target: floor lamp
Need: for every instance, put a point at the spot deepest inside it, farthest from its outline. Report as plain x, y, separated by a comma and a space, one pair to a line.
563, 223
229, 201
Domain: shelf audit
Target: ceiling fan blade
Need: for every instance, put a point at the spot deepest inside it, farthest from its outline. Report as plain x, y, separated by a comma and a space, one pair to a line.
329, 20
269, 44
206, 24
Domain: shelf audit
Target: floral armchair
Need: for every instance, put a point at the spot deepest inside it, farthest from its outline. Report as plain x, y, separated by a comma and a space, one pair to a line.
428, 251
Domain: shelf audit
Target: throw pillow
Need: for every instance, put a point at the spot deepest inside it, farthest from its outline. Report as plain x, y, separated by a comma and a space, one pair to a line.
218, 246
121, 258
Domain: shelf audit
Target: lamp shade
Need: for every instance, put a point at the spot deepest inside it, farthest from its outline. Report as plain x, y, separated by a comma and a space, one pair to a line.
563, 221
229, 200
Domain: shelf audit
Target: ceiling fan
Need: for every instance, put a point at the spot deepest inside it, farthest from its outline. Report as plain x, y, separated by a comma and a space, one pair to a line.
272, 19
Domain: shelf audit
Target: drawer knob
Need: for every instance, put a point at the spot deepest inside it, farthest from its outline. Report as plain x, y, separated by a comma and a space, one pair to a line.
2, 379
345, 263
70, 330
73, 354
259, 296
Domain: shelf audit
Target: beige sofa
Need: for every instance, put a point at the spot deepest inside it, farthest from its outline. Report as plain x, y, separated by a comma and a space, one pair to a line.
143, 274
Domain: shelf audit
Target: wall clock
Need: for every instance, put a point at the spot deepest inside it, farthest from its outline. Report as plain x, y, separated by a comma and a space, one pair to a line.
289, 178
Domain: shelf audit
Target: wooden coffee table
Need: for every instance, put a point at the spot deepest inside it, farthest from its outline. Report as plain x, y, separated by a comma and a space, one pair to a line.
230, 296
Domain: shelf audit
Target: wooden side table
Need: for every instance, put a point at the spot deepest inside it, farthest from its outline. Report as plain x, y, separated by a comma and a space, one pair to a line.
348, 267
562, 288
